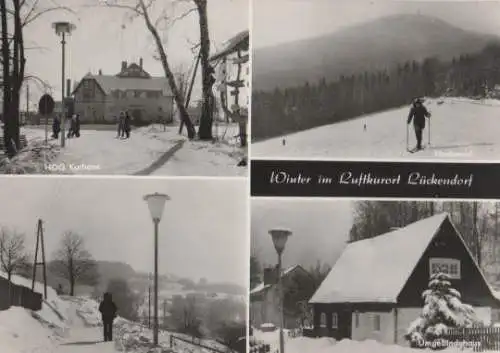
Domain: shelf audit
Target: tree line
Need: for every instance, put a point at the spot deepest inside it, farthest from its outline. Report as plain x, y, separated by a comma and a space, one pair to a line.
287, 110
478, 223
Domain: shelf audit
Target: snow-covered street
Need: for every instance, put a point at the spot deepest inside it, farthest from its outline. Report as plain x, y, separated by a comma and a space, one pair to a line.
151, 150
461, 129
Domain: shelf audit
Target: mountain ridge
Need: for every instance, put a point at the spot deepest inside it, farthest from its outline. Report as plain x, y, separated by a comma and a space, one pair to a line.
375, 45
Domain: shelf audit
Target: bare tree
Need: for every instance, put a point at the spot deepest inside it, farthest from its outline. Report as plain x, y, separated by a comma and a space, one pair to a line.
142, 9
13, 255
207, 108
73, 261
13, 60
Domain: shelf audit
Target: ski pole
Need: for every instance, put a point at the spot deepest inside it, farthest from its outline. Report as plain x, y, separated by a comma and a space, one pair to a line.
407, 137
429, 132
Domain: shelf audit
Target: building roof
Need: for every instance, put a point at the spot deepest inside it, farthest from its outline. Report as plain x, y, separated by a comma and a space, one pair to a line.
109, 83
241, 41
262, 287
375, 270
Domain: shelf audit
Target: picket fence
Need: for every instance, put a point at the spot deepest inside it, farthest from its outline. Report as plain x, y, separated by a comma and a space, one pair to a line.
479, 339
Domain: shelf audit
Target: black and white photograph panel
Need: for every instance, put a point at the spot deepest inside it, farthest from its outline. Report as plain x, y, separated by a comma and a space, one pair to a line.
374, 276
129, 87
376, 79
123, 265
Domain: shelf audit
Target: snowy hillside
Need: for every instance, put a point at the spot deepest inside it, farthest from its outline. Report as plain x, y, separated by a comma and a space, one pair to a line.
461, 129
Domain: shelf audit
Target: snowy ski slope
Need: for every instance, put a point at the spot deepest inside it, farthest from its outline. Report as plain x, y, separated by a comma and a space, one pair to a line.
461, 129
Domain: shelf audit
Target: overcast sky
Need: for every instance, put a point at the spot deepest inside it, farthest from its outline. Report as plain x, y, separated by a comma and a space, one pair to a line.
203, 232
281, 21
320, 229
100, 42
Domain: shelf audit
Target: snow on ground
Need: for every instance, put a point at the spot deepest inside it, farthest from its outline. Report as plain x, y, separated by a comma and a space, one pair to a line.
21, 332
330, 345
461, 129
100, 152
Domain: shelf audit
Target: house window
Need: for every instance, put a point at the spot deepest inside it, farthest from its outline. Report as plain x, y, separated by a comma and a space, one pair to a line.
322, 321
335, 319
356, 319
376, 322
450, 267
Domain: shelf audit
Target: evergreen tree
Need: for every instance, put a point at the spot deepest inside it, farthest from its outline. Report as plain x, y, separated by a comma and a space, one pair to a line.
443, 309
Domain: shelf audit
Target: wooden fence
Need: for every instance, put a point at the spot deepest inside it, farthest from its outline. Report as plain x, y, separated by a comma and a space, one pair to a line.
14, 295
173, 340
479, 339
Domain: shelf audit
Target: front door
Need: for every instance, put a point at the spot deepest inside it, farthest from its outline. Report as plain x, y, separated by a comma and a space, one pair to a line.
344, 324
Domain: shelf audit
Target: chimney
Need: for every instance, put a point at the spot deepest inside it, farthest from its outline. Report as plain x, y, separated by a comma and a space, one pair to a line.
68, 87
270, 276
124, 65
100, 72
140, 63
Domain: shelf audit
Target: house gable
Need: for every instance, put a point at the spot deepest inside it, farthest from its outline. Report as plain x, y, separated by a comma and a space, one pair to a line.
448, 244
92, 82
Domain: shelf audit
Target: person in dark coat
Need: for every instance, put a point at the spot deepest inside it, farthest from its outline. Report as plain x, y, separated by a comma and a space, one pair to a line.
56, 127
121, 119
126, 124
108, 311
418, 113
77, 125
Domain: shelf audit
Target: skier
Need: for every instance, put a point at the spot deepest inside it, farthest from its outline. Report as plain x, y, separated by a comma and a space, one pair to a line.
108, 312
364, 127
418, 113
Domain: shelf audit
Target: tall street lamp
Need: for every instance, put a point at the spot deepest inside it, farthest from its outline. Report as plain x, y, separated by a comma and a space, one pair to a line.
280, 236
156, 203
62, 29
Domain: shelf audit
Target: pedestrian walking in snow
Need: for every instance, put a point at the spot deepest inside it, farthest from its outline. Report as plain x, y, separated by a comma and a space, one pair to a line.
77, 125
73, 128
418, 113
127, 121
69, 127
120, 125
108, 310
56, 127
364, 127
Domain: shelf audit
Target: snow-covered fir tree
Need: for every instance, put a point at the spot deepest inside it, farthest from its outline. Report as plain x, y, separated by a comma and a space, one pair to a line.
443, 309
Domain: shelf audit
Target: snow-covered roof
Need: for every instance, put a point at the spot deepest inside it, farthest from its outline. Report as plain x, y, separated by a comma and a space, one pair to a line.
261, 287
375, 270
238, 42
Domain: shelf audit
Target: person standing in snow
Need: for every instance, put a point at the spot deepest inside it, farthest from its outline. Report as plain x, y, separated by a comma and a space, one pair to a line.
127, 121
120, 125
418, 113
108, 310
77, 125
56, 127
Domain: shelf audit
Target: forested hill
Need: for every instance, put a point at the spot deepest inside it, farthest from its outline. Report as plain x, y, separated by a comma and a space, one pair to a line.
380, 44
322, 102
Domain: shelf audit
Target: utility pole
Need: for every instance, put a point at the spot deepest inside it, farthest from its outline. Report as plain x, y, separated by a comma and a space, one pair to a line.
149, 303
164, 312
40, 244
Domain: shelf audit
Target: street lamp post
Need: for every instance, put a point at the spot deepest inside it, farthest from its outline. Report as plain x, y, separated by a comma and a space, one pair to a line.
156, 203
62, 29
280, 236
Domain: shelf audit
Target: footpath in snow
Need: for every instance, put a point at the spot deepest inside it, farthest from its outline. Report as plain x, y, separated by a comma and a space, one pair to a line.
461, 129
73, 325
149, 151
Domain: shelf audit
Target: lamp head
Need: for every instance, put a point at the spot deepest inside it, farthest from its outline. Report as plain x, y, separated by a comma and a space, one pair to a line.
280, 236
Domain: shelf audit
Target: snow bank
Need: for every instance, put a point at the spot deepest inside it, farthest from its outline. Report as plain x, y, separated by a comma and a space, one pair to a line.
20, 332
100, 152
